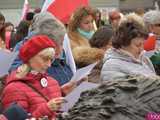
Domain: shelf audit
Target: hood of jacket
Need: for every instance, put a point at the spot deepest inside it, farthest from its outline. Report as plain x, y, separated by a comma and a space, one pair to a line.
122, 55
86, 55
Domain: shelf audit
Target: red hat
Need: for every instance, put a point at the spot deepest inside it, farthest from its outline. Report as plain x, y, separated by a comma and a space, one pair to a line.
34, 45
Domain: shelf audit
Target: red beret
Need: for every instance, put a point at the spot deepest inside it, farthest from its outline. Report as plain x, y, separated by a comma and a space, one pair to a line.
34, 45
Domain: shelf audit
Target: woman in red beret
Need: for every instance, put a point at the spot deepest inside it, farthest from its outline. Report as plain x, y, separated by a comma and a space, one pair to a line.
29, 85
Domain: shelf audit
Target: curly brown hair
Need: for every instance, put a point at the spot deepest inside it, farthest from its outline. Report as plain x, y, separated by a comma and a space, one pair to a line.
78, 15
126, 32
102, 37
2, 30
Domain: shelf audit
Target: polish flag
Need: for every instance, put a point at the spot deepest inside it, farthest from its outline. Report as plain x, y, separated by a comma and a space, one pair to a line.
25, 9
46, 4
63, 9
150, 43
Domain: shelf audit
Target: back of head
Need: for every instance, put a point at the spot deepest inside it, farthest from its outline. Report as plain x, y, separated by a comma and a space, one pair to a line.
128, 29
8, 24
134, 17
101, 37
23, 26
37, 10
140, 11
22, 31
30, 16
46, 24
114, 14
152, 17
39, 18
54, 29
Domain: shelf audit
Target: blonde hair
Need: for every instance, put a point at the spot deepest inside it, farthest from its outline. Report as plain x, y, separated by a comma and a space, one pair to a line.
133, 17
49, 52
24, 69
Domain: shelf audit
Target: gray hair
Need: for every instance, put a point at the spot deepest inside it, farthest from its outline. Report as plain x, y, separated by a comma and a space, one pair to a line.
40, 18
151, 17
46, 24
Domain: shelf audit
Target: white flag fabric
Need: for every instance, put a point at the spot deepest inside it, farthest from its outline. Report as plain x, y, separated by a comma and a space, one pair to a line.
25, 9
69, 57
7, 59
46, 4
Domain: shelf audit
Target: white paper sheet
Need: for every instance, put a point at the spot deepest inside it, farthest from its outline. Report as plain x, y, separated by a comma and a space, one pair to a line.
73, 97
83, 72
6, 59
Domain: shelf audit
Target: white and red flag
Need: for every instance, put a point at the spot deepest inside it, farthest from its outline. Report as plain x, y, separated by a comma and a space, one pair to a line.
25, 9
63, 9
46, 4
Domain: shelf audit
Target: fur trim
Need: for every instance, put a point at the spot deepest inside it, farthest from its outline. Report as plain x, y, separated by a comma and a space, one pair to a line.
77, 40
86, 55
133, 17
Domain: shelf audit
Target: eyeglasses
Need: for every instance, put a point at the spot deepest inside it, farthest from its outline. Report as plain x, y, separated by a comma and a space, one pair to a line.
46, 58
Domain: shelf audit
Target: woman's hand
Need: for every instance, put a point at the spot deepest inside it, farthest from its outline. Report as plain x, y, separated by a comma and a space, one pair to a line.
55, 104
68, 87
85, 79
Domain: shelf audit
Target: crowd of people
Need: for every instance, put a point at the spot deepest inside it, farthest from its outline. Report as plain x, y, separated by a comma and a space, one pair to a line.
40, 77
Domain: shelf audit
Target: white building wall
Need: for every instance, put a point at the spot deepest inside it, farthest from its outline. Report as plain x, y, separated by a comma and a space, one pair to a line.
12, 8
134, 4
12, 15
104, 3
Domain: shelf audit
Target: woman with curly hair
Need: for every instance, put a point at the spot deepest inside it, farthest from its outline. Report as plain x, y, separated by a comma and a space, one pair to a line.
80, 30
126, 57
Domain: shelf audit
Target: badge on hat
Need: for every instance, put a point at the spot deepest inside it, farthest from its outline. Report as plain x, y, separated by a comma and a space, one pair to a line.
44, 82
